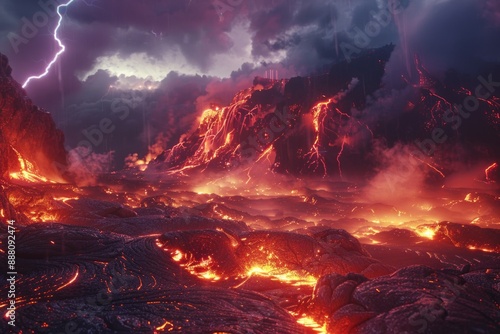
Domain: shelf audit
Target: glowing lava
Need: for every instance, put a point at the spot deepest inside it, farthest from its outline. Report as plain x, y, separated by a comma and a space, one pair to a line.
28, 171
200, 268
426, 232
309, 322
488, 170
290, 277
319, 112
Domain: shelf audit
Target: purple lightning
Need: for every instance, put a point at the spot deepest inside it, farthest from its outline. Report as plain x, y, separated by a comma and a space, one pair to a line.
61, 46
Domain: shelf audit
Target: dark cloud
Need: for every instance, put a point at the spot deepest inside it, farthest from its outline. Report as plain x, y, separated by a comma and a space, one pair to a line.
453, 34
291, 36
136, 117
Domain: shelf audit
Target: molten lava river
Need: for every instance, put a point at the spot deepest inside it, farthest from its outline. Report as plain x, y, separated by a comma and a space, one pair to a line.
299, 231
142, 254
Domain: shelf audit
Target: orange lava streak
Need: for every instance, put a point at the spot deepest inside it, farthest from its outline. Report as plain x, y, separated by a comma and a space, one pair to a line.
339, 156
311, 323
266, 154
167, 323
200, 268
487, 250
489, 169
430, 166
68, 283
27, 172
290, 277
319, 113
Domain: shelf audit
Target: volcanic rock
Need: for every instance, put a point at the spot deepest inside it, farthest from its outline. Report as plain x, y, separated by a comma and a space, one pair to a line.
26, 131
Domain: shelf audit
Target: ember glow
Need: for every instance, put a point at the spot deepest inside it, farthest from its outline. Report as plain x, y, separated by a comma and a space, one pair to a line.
201, 192
488, 170
311, 323
27, 171
290, 277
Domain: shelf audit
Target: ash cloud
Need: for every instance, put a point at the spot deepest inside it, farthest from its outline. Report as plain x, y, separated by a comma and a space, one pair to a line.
291, 36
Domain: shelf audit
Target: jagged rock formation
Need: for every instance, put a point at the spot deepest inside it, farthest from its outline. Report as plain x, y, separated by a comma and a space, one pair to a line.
313, 125
415, 299
28, 135
276, 114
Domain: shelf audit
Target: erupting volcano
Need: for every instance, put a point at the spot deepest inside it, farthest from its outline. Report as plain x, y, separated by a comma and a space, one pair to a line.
326, 202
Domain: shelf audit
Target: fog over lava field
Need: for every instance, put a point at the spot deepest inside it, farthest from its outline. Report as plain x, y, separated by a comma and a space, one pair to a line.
250, 166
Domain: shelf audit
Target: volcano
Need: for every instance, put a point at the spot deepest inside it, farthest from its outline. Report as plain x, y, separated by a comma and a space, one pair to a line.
323, 125
301, 207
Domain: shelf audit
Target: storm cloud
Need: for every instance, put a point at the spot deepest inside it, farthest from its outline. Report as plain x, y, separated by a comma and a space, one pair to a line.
173, 58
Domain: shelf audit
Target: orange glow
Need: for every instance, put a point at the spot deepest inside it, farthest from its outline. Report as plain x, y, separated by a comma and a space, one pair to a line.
426, 232
487, 250
319, 112
431, 166
471, 198
177, 256
290, 277
28, 171
68, 283
340, 156
167, 323
309, 322
202, 268
154, 150
488, 170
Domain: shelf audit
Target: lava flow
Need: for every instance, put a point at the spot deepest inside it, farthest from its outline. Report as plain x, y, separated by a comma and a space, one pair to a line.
292, 209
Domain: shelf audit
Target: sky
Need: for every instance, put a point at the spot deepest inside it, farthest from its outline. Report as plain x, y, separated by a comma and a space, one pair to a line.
169, 59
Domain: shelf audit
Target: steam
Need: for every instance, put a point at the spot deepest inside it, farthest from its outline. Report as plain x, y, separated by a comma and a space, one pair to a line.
84, 166
400, 176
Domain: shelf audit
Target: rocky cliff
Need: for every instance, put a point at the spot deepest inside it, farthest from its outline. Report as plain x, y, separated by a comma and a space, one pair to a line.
29, 139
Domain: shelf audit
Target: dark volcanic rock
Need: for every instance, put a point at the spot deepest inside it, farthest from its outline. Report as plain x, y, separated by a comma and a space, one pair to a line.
27, 130
100, 282
415, 299
469, 236
277, 114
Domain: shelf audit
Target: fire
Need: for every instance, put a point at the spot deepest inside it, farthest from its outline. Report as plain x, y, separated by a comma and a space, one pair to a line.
133, 161
216, 133
426, 232
65, 199
471, 198
28, 171
323, 113
309, 322
290, 277
202, 268
177, 256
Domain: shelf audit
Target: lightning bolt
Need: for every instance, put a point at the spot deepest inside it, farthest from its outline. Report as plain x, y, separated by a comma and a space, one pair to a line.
62, 48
